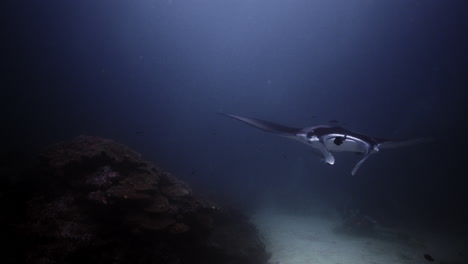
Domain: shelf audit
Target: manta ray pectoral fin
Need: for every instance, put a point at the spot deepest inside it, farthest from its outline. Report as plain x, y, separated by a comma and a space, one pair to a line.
389, 143
267, 126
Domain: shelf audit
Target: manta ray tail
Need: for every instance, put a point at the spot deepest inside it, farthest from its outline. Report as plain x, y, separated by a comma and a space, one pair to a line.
267, 126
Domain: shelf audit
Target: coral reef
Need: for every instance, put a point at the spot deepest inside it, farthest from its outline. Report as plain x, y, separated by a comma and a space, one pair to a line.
98, 201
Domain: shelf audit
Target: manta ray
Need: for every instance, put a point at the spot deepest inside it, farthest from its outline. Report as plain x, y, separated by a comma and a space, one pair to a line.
329, 138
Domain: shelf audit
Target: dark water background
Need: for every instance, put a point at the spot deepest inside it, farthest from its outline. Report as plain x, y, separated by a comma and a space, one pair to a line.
152, 74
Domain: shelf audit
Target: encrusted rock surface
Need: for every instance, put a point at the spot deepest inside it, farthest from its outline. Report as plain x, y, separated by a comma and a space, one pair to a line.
98, 201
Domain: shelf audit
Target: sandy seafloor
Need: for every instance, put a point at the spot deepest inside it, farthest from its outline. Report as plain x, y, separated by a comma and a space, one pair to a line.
313, 239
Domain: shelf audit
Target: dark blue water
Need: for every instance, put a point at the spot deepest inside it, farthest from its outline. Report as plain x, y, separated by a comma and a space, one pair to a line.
153, 74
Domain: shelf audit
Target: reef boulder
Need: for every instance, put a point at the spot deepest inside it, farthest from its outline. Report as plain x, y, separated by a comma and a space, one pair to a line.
97, 201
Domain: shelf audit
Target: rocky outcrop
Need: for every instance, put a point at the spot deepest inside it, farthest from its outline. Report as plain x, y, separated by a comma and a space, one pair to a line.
100, 202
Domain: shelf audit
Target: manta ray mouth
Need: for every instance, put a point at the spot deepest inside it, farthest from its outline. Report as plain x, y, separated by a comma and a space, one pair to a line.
339, 140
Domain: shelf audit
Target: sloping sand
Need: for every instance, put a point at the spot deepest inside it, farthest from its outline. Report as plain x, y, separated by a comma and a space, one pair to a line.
311, 239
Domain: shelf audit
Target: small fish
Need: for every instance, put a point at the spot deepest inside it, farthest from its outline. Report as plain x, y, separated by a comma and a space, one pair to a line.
333, 121
428, 257
139, 132
193, 172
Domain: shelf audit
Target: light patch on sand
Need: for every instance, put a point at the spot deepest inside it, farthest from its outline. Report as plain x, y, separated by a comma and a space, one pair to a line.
311, 239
